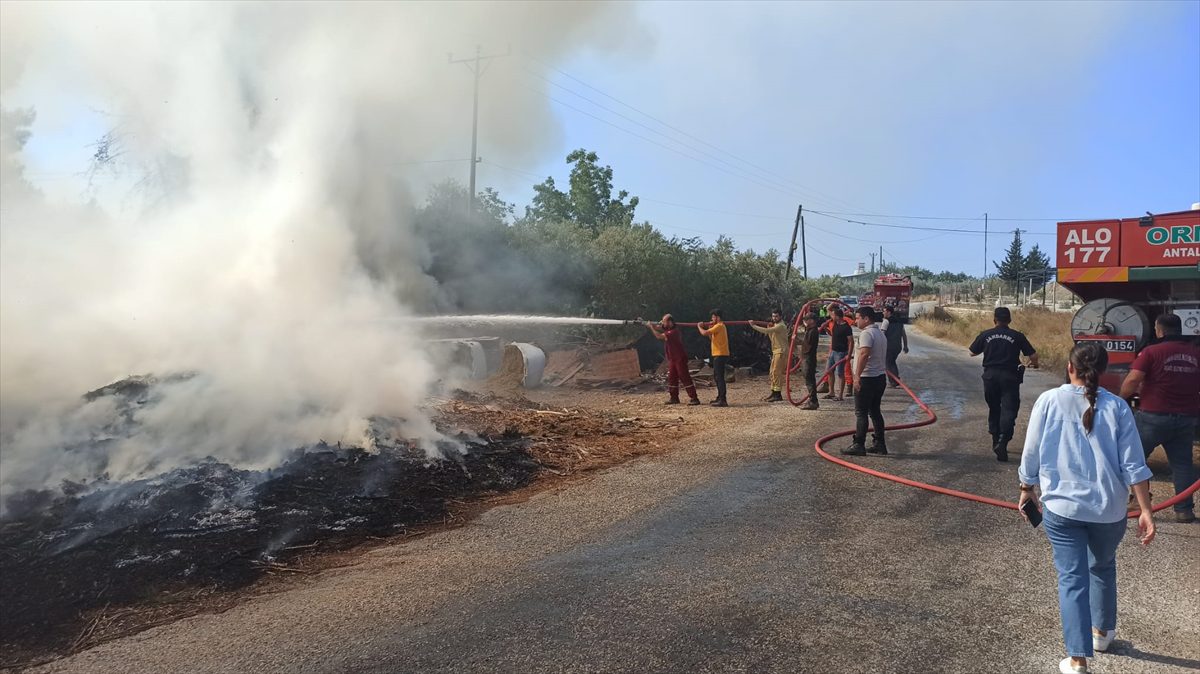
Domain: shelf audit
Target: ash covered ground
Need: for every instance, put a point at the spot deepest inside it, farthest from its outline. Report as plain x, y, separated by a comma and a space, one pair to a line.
70, 558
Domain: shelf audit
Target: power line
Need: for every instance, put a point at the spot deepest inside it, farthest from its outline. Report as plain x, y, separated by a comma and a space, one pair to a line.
816, 195
759, 174
748, 178
716, 210
760, 180
840, 235
942, 217
949, 230
874, 241
535, 176
832, 257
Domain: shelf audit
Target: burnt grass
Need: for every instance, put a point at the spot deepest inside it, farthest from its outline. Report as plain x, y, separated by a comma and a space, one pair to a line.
67, 556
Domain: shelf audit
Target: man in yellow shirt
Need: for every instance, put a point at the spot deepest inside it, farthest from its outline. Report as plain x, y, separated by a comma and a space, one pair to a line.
777, 331
718, 336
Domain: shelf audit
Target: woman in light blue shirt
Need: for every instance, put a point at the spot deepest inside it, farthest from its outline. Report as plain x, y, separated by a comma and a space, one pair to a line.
1083, 452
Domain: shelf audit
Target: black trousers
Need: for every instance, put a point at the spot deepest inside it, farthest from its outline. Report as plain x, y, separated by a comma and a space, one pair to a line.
810, 378
719, 364
868, 402
1002, 391
892, 355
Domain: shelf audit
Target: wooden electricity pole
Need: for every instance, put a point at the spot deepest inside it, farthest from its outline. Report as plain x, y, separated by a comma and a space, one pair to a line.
476, 65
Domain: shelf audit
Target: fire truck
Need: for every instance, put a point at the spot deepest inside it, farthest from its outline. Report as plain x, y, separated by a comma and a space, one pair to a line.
1128, 271
891, 290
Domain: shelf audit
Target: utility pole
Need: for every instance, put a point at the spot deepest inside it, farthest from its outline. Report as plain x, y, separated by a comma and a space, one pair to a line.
985, 258
476, 66
881, 259
797, 229
872, 262
803, 245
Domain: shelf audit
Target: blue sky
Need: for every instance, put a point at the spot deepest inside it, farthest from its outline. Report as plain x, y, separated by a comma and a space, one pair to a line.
1038, 111
1021, 110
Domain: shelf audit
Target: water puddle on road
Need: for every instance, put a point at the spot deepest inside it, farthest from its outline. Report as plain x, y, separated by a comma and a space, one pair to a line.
952, 403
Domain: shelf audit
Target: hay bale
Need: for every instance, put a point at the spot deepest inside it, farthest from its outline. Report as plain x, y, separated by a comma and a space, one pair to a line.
511, 372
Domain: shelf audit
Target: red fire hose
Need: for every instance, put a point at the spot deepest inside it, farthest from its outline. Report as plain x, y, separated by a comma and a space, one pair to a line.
931, 418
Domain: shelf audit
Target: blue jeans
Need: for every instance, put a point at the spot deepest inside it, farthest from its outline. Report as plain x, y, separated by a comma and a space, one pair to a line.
1174, 432
834, 357
1085, 555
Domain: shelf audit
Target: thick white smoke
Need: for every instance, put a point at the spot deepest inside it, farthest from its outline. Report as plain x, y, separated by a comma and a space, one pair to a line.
259, 237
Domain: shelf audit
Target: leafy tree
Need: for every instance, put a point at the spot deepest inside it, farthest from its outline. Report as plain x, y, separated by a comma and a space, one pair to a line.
589, 200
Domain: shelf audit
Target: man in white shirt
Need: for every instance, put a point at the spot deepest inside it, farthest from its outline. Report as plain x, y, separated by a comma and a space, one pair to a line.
870, 381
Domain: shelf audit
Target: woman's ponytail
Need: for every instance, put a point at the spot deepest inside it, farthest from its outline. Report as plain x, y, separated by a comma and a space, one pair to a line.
1089, 360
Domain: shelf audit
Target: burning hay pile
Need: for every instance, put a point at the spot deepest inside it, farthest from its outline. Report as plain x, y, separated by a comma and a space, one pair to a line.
70, 560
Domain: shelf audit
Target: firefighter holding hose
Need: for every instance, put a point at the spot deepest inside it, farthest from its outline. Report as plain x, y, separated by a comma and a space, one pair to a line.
718, 335
677, 366
1002, 348
777, 331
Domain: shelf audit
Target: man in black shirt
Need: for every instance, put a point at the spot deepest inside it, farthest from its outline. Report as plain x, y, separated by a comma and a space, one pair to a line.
1002, 348
841, 343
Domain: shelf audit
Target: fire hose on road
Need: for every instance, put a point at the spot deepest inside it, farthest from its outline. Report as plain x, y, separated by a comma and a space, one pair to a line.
930, 419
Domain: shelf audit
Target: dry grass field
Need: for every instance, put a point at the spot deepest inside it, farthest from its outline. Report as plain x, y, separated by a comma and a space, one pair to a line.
1049, 332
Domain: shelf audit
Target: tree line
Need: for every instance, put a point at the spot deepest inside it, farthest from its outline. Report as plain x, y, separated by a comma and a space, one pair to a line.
579, 249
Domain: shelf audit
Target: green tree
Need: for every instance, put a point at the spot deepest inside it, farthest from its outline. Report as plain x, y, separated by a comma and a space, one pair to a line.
1009, 270
589, 199
1036, 261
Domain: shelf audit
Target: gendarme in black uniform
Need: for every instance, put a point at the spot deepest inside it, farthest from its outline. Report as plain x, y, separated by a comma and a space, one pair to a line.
1002, 348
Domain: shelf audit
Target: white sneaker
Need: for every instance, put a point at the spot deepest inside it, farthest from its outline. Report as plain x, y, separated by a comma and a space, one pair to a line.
1066, 667
1102, 643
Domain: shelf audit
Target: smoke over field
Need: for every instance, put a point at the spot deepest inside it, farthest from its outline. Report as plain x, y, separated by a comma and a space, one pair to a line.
250, 247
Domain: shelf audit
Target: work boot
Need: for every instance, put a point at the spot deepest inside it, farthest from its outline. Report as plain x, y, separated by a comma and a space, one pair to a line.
1185, 517
810, 405
855, 449
672, 401
775, 397
877, 448
1000, 449
719, 402
693, 401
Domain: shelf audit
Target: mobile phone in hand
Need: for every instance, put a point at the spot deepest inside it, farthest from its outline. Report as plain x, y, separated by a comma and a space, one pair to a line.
1031, 511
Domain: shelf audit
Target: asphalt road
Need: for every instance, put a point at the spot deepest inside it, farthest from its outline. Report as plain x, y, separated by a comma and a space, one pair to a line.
741, 551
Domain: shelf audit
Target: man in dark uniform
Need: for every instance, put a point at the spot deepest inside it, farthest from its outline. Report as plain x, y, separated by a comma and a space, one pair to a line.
897, 340
808, 352
1002, 348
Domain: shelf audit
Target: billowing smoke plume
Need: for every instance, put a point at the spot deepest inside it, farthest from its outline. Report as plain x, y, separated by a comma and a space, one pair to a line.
254, 245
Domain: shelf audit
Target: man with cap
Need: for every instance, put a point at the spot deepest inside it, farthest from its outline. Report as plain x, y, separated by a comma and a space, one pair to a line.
1002, 348
808, 354
777, 331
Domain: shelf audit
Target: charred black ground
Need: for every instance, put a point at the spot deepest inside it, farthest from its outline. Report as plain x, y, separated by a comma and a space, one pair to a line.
90, 562
68, 554
212, 525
